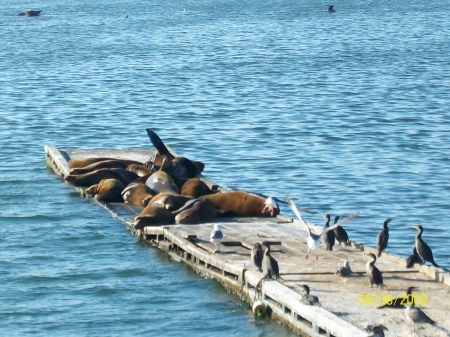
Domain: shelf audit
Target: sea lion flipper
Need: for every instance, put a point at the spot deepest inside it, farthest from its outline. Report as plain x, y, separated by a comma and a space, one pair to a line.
157, 143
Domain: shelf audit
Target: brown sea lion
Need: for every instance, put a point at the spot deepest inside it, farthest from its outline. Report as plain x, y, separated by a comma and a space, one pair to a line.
242, 204
178, 167
137, 194
169, 201
92, 178
82, 163
161, 182
195, 212
107, 190
101, 164
153, 216
195, 187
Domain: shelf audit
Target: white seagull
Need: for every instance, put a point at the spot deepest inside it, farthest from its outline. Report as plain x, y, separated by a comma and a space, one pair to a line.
314, 239
216, 236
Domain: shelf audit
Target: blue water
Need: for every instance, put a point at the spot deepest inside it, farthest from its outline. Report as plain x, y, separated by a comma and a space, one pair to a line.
345, 111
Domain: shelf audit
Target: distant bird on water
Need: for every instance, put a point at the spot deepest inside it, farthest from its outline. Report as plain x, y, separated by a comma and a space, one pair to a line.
329, 236
373, 272
314, 239
345, 270
413, 259
216, 236
272, 269
257, 256
375, 330
30, 13
330, 9
423, 250
383, 237
340, 233
416, 315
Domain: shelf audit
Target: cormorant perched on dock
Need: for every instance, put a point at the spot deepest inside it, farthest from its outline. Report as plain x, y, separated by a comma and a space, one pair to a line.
216, 236
309, 299
413, 259
373, 272
416, 315
257, 256
422, 248
340, 233
400, 301
314, 239
328, 236
273, 271
383, 237
345, 270
375, 330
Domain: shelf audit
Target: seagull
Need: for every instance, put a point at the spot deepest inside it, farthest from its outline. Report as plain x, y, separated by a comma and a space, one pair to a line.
375, 330
345, 270
216, 236
270, 205
314, 239
416, 315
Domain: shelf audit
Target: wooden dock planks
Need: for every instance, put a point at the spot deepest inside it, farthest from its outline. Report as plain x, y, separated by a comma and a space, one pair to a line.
342, 312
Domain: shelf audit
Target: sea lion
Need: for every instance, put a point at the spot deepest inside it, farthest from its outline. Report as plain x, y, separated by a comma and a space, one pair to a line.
241, 204
107, 190
30, 12
169, 201
137, 194
195, 187
153, 215
161, 182
82, 163
113, 163
178, 167
92, 178
140, 169
196, 211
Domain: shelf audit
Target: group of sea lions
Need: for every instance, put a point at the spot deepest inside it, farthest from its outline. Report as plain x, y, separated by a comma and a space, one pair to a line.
169, 189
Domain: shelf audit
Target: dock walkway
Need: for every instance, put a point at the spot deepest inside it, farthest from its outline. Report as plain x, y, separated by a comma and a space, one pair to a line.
348, 304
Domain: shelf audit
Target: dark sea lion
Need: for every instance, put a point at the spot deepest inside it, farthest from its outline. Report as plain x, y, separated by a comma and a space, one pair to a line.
113, 163
30, 13
169, 201
137, 194
195, 212
242, 204
82, 163
153, 216
195, 187
161, 182
179, 167
141, 170
107, 190
92, 178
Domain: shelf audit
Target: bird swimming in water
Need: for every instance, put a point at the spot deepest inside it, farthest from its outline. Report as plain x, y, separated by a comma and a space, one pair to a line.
314, 239
400, 301
373, 272
329, 236
340, 234
375, 330
383, 237
423, 250
413, 259
30, 13
416, 315
272, 269
345, 270
216, 236
330, 9
257, 256
309, 299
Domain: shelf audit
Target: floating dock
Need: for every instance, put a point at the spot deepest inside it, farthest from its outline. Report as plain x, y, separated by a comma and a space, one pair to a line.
348, 304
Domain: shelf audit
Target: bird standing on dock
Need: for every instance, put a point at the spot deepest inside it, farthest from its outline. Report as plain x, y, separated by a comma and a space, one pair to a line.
314, 239
383, 237
373, 272
422, 248
329, 236
216, 236
272, 269
257, 256
375, 330
340, 234
416, 315
400, 301
413, 259
345, 270
309, 299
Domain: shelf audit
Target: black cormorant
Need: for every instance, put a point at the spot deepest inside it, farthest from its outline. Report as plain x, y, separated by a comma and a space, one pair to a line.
257, 256
383, 237
273, 271
413, 259
309, 299
373, 272
422, 248
375, 330
329, 237
340, 233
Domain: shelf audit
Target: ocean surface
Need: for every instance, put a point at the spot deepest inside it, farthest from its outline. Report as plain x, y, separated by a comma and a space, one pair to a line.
345, 111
